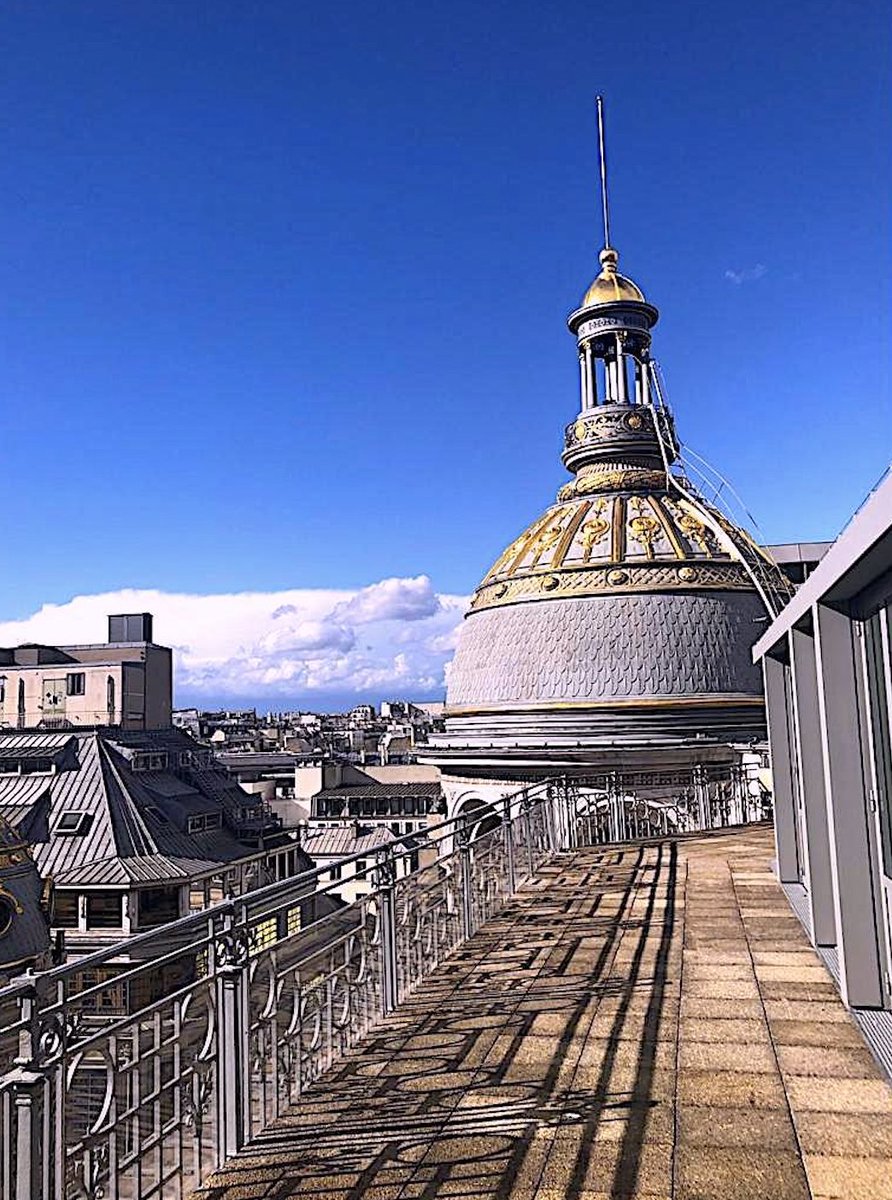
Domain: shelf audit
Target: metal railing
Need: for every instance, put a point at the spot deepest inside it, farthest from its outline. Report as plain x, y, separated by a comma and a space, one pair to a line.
136, 1071
625, 807
133, 1073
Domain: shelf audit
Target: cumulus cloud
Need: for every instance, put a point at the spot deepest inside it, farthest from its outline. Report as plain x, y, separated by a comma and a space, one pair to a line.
747, 274
391, 600
393, 637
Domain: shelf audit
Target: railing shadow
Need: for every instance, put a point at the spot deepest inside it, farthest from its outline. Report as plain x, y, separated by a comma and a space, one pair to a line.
462, 1086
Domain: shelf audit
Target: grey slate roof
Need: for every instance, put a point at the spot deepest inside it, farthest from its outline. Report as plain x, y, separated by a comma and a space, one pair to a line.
136, 831
341, 840
147, 868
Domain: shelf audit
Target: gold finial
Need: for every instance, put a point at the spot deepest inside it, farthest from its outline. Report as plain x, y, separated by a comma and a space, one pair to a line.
609, 259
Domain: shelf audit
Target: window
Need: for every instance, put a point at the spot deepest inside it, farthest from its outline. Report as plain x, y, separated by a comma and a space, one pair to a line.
158, 906
105, 910
153, 811
7, 914
360, 866
149, 762
65, 905
203, 821
73, 824
75, 683
335, 872
882, 742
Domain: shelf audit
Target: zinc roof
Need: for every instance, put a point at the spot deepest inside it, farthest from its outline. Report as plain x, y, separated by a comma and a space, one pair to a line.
95, 778
342, 840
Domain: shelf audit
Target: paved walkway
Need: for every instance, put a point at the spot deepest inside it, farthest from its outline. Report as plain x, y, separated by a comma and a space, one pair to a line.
645, 1022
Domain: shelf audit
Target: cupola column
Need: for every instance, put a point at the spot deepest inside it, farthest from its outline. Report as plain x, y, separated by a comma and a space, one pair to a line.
590, 375
622, 394
642, 383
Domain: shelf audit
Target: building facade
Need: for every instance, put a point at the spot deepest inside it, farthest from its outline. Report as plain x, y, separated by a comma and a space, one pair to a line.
827, 662
125, 682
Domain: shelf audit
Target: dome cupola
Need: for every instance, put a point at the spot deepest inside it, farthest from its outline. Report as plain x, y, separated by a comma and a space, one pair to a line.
625, 613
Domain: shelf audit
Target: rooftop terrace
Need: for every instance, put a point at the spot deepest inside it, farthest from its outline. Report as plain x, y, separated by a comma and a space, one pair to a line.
644, 1021
537, 1010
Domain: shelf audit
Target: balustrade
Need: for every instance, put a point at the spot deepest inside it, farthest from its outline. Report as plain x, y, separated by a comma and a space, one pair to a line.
132, 1073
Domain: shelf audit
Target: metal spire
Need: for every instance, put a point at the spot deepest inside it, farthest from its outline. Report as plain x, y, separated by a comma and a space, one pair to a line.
603, 157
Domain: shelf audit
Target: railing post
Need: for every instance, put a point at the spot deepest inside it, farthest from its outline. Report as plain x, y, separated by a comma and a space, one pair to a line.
463, 837
551, 823
233, 1062
568, 840
385, 887
615, 809
508, 833
25, 1086
525, 807
702, 798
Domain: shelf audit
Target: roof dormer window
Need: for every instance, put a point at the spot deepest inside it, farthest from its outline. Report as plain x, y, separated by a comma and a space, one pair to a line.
149, 761
73, 823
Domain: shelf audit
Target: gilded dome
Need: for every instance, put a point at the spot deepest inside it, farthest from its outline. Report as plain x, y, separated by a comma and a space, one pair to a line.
610, 286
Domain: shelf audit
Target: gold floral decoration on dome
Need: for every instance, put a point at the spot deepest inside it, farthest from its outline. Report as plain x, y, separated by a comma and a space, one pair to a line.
592, 480
643, 526
587, 545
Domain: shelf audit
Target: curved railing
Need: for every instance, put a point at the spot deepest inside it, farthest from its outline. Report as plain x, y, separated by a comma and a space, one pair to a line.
134, 1072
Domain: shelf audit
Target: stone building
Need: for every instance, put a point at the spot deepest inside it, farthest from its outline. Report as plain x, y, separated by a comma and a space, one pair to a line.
125, 682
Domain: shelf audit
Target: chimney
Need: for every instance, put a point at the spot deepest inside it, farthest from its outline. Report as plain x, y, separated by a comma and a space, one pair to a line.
130, 627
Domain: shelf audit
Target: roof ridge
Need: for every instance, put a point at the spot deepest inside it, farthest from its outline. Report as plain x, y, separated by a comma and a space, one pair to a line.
128, 810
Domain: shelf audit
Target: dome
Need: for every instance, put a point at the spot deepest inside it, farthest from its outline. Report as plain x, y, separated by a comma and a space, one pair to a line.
619, 624
610, 286
24, 928
611, 598
624, 614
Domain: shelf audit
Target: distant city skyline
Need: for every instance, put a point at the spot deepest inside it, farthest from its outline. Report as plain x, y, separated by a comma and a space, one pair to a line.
283, 300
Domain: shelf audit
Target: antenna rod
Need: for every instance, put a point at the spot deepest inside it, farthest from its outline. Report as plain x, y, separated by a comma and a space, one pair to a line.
603, 156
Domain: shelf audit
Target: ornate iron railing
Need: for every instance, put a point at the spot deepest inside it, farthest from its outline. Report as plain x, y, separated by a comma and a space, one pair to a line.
133, 1073
625, 807
136, 1071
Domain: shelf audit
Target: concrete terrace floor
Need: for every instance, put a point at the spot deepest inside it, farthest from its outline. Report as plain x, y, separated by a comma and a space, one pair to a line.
647, 1021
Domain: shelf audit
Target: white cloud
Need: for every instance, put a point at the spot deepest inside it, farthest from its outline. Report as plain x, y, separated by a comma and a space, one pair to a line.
392, 637
747, 274
391, 600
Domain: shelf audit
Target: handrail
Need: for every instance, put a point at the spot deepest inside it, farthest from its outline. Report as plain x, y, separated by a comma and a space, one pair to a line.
151, 1072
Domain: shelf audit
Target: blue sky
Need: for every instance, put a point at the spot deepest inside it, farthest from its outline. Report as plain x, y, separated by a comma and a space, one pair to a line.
284, 286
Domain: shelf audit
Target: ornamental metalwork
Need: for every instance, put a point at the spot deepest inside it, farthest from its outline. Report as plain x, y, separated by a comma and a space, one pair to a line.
150, 1063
